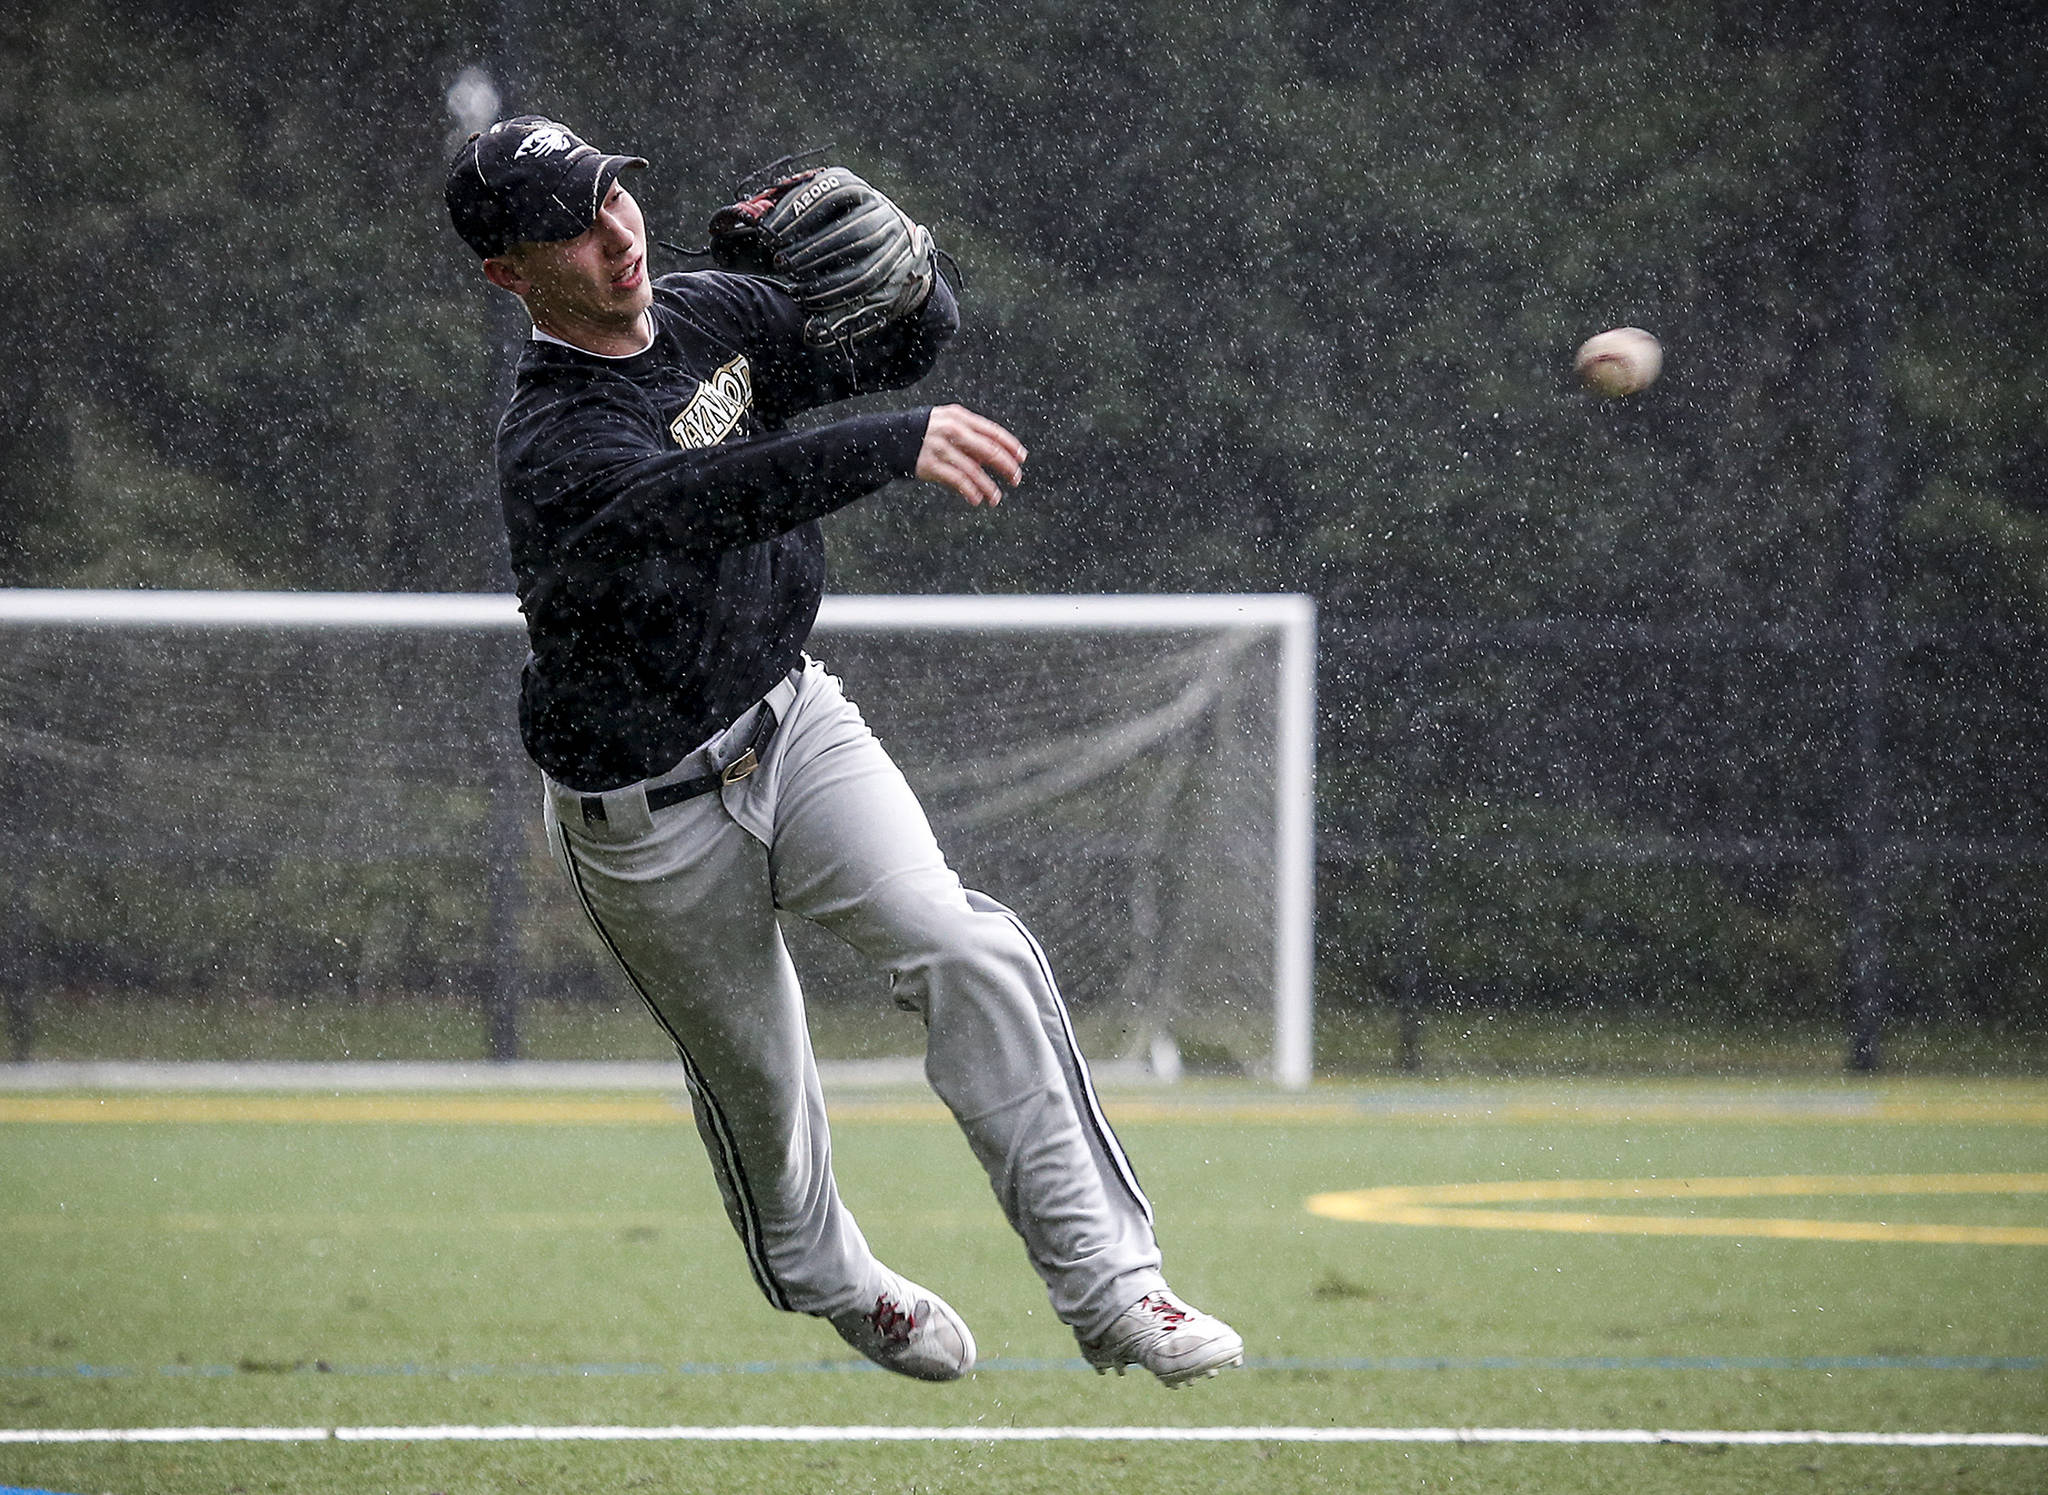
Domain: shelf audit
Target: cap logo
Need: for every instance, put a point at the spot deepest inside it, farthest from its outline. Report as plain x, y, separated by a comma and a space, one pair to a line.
545, 141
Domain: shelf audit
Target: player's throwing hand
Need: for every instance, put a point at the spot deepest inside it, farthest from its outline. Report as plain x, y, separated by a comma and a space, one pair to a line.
967, 453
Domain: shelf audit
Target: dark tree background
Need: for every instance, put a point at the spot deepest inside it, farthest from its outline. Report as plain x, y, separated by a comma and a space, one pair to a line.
1283, 298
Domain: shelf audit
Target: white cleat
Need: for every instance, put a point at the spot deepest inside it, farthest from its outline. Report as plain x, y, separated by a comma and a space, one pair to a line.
910, 1330
1176, 1343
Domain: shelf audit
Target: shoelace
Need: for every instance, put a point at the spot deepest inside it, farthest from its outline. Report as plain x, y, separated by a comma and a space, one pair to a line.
891, 1322
1163, 1309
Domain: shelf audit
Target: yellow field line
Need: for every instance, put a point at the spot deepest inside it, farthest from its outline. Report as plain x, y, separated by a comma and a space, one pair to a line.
1688, 1112
559, 1110
1511, 1191
2030, 1112
1451, 1205
189, 1223
312, 1224
546, 1110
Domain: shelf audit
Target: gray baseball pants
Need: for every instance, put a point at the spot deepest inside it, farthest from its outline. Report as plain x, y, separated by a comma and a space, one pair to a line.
827, 828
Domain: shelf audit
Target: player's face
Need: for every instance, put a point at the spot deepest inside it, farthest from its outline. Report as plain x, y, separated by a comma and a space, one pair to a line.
597, 280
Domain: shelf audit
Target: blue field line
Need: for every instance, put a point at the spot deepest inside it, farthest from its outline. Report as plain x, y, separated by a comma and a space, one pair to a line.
1366, 1363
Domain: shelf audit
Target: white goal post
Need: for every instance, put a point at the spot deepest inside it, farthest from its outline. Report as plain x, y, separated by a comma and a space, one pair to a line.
1289, 621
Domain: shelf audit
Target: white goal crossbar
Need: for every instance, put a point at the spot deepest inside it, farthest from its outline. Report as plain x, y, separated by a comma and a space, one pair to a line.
1291, 616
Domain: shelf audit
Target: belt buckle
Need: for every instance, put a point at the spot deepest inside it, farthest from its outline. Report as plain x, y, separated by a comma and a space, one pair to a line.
739, 768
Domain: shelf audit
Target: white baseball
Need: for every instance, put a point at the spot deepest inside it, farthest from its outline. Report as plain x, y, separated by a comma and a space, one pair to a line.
1620, 361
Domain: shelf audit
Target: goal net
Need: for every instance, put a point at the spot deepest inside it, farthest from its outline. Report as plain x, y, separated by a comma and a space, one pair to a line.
318, 802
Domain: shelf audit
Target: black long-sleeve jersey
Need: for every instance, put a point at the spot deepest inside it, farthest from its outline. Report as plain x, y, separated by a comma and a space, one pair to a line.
663, 522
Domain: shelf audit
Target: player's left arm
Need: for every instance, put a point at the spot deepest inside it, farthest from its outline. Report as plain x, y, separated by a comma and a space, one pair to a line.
860, 274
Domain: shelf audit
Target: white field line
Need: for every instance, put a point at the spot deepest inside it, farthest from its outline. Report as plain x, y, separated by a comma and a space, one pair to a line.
774, 1434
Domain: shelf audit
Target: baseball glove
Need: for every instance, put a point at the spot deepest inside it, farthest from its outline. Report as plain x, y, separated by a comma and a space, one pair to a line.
851, 258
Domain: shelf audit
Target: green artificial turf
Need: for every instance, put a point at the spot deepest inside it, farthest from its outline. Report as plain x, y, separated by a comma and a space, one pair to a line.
330, 1274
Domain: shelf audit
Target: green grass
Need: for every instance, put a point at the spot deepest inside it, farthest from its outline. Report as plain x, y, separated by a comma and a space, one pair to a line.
206, 1271
85, 1027
1365, 1040
1351, 1040
103, 1027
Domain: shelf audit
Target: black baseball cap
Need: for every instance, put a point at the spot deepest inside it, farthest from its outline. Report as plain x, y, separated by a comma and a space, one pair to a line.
528, 180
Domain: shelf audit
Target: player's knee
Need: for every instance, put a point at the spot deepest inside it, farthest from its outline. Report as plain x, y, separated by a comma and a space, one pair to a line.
989, 963
969, 949
994, 938
981, 903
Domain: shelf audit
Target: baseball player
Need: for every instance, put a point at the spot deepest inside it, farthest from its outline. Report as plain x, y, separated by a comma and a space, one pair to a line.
702, 772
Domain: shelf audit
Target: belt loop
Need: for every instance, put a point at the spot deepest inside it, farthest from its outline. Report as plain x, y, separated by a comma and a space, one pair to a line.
593, 809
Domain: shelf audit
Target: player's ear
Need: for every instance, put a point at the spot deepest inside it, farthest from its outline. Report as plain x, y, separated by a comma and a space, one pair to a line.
503, 271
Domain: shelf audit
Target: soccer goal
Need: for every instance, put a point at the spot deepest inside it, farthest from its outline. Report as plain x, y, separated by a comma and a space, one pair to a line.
319, 798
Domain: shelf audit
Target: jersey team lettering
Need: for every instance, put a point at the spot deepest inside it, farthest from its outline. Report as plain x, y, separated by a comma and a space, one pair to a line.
717, 407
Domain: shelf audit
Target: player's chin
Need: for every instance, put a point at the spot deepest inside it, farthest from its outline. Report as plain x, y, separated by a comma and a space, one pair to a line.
632, 285
640, 294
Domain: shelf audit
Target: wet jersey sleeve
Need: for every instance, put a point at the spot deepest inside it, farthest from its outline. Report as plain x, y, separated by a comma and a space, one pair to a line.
586, 470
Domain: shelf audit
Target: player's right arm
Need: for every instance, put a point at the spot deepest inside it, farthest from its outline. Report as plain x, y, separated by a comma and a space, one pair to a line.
963, 451
585, 469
